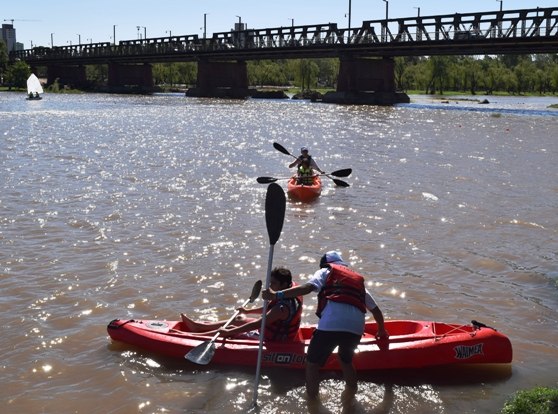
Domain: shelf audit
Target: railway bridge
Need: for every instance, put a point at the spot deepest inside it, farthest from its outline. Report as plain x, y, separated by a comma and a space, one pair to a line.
366, 53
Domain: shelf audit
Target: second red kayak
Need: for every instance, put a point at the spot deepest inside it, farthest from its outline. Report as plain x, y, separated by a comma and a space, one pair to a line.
304, 193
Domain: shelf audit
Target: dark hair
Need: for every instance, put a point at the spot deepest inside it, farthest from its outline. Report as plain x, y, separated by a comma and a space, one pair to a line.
283, 275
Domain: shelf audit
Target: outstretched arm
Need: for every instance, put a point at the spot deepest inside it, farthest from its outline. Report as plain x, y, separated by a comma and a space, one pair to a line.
379, 318
270, 294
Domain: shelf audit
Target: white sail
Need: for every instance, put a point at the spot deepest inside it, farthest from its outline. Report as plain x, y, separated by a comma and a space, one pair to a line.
33, 85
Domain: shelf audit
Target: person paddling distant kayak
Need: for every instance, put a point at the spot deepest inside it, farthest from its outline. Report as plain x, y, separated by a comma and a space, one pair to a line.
305, 173
304, 154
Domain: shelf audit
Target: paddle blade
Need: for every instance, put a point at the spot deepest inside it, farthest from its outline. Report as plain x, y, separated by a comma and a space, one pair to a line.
341, 183
266, 180
275, 205
281, 148
201, 354
256, 291
342, 173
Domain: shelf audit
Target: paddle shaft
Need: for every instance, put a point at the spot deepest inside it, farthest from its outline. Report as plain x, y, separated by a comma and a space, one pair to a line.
262, 328
275, 205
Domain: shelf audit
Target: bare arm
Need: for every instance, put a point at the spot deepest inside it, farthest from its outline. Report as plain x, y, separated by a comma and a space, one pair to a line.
379, 318
270, 294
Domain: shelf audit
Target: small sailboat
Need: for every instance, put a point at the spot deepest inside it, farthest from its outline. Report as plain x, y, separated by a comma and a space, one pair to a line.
34, 88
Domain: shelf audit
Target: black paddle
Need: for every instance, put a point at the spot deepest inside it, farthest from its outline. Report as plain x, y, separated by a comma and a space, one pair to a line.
203, 353
339, 173
340, 183
275, 205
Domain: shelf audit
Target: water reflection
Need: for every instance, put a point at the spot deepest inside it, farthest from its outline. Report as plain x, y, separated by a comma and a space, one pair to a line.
145, 207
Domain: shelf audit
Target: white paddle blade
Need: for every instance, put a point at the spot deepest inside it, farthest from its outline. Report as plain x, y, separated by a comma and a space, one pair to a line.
201, 354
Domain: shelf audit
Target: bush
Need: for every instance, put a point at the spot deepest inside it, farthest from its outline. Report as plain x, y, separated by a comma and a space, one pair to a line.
538, 400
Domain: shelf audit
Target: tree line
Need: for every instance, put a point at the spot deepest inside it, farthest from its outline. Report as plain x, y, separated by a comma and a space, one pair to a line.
510, 74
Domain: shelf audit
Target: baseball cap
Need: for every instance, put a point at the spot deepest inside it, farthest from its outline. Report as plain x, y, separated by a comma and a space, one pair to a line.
331, 257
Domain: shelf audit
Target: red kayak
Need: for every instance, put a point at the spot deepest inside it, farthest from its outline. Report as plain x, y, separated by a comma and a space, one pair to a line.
302, 192
412, 344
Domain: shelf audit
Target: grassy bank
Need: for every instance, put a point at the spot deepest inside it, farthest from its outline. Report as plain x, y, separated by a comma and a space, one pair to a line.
539, 400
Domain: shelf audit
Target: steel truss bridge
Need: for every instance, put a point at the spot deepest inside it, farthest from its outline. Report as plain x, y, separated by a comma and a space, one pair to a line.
525, 31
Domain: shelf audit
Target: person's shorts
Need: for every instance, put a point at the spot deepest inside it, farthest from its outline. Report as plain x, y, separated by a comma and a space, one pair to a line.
324, 342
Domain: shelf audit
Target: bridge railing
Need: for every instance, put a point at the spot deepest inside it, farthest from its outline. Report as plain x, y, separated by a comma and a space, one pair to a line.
505, 24
527, 23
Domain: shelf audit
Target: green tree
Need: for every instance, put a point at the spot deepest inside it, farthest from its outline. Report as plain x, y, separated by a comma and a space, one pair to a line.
174, 73
17, 74
328, 70
525, 76
3, 57
98, 74
554, 79
267, 72
438, 67
307, 74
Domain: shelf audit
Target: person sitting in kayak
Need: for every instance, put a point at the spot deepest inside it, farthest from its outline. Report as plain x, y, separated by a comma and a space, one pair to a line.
282, 318
304, 154
305, 173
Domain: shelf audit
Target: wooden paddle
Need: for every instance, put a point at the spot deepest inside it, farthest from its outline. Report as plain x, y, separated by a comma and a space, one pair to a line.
338, 182
203, 353
275, 205
339, 173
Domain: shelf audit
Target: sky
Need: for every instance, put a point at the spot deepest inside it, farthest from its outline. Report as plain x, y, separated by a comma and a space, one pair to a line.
67, 22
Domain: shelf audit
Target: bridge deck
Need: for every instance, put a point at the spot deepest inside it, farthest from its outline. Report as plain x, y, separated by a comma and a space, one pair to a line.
500, 32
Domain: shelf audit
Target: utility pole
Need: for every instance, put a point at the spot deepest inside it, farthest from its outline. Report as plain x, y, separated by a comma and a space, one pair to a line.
204, 26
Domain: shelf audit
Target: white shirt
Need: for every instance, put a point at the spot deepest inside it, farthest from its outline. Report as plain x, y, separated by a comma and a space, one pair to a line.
338, 316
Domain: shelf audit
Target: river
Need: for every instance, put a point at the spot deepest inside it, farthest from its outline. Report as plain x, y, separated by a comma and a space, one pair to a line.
148, 206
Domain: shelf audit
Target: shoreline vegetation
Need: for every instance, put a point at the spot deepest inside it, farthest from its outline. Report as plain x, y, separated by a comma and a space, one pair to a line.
538, 400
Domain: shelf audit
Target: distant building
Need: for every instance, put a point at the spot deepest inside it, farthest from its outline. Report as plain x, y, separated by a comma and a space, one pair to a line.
8, 35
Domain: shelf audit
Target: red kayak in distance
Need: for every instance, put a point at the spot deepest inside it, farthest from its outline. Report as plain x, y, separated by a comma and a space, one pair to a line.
412, 344
302, 192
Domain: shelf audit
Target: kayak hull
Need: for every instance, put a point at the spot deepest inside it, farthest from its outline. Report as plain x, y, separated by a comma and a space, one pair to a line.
304, 193
412, 344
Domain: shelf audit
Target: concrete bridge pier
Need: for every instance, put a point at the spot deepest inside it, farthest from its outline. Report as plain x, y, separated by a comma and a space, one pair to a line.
221, 80
130, 78
366, 81
73, 76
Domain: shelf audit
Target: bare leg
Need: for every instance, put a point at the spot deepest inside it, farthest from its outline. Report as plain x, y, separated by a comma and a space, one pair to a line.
312, 381
195, 326
351, 383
